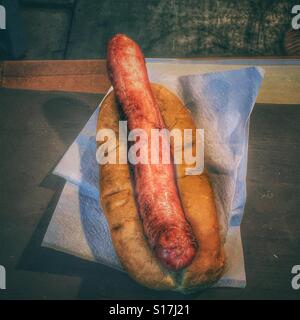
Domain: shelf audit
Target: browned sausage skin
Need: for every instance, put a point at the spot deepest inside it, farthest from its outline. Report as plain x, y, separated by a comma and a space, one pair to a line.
168, 233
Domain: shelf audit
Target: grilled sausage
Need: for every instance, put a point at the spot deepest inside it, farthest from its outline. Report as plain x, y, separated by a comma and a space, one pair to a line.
169, 234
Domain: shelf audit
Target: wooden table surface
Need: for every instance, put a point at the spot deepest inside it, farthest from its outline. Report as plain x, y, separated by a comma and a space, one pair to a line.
36, 128
281, 84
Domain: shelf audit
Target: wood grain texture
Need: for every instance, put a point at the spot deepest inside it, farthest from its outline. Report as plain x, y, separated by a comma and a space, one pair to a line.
280, 86
56, 75
292, 42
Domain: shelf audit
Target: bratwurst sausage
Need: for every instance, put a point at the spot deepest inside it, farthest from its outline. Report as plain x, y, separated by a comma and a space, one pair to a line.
168, 232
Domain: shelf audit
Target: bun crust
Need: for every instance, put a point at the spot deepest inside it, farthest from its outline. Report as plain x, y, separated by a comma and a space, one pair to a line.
197, 197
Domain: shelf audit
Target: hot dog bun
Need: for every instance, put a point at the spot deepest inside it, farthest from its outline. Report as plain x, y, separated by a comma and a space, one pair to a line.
197, 197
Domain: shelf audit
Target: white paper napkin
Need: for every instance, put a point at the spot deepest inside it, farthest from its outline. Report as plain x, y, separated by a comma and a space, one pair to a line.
221, 103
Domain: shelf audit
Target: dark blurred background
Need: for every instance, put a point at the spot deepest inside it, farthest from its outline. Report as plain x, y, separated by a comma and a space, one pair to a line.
80, 29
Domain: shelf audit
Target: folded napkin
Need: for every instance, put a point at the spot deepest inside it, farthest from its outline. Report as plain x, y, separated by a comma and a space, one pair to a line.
221, 104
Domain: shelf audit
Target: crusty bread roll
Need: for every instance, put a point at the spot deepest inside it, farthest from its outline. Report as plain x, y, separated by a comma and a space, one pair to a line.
196, 194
